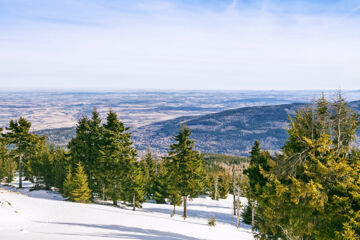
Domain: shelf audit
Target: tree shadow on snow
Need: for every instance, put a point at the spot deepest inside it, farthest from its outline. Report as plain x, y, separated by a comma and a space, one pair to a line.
224, 218
123, 232
193, 213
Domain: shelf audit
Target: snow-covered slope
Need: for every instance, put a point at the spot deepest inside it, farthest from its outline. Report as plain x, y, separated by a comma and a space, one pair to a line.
45, 215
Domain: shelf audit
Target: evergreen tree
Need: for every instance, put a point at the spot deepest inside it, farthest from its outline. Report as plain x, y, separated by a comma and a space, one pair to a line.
186, 167
68, 184
134, 187
118, 156
148, 167
224, 185
7, 164
85, 147
76, 186
160, 184
26, 146
311, 192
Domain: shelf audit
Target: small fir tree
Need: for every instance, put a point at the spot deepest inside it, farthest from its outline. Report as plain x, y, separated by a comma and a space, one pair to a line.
76, 186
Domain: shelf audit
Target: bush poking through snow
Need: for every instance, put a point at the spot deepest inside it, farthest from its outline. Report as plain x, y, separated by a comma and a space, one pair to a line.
212, 221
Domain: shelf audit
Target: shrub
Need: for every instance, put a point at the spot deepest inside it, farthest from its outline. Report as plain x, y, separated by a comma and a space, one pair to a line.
212, 221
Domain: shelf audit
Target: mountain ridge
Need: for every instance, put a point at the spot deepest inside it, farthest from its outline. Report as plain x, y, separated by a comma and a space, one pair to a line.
232, 131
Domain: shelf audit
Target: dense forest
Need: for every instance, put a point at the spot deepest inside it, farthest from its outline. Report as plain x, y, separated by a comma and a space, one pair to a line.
101, 164
309, 190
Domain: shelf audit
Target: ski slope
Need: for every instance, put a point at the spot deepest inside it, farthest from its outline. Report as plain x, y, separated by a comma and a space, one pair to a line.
44, 215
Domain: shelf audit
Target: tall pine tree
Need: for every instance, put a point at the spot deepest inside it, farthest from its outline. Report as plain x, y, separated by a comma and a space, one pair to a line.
186, 167
118, 156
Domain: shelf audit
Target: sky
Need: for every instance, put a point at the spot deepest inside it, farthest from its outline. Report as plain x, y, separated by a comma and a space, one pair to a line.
180, 44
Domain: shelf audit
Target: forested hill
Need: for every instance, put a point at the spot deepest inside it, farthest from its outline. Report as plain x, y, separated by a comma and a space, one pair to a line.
230, 132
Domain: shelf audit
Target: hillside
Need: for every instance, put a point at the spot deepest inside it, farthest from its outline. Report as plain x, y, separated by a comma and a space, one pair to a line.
45, 215
227, 132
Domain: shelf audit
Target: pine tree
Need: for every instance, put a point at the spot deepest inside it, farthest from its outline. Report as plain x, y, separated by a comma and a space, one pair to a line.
224, 185
186, 167
68, 185
312, 188
148, 167
118, 156
160, 184
85, 147
26, 146
7, 163
134, 187
76, 186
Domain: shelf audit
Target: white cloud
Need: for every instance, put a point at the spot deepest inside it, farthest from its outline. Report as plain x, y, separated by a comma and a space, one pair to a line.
169, 46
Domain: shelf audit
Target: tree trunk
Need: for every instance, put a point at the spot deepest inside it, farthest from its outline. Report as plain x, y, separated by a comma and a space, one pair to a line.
233, 183
173, 212
238, 206
134, 202
103, 192
185, 207
20, 171
252, 216
216, 188
114, 196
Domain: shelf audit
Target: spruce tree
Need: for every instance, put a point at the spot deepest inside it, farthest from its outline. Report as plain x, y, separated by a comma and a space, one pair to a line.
26, 146
160, 183
312, 188
118, 156
224, 185
77, 188
68, 185
185, 167
85, 147
7, 163
134, 186
148, 167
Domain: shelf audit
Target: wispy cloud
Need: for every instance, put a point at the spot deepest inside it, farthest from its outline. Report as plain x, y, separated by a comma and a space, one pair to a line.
179, 44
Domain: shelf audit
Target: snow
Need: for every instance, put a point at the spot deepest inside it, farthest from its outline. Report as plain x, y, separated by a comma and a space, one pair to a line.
26, 214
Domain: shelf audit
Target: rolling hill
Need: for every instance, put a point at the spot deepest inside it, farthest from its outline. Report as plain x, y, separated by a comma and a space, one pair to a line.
227, 132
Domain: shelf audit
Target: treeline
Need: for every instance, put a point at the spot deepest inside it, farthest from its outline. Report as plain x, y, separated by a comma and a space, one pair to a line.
102, 164
312, 189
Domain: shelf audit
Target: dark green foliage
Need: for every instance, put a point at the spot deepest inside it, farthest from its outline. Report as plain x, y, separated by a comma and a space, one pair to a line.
117, 159
134, 187
7, 163
160, 184
85, 147
148, 166
258, 160
246, 213
24, 146
185, 167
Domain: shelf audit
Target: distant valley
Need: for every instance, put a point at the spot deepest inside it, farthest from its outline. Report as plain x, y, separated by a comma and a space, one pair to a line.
155, 116
227, 132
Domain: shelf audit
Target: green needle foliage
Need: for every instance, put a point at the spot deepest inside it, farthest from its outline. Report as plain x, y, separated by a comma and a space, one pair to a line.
76, 187
24, 146
185, 167
311, 190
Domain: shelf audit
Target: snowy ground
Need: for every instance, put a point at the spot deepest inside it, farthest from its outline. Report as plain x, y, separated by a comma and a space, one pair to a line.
43, 214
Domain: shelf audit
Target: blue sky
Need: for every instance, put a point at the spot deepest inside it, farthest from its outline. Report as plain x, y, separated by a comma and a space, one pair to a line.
179, 44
